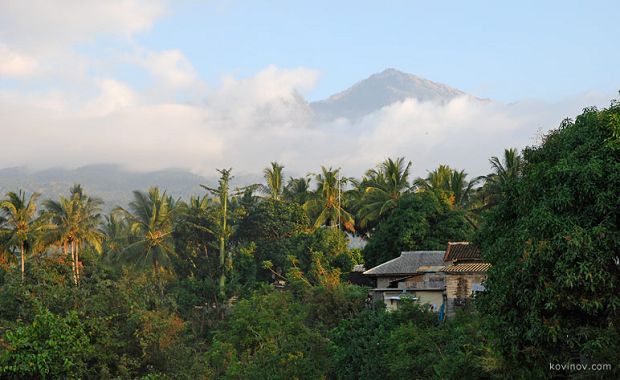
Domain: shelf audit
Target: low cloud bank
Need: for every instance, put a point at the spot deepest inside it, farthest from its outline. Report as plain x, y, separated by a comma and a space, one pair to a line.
248, 123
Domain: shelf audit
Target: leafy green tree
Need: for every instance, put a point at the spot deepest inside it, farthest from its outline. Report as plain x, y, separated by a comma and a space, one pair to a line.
266, 336
272, 226
271, 220
553, 242
358, 345
421, 221
52, 346
76, 221
21, 223
379, 344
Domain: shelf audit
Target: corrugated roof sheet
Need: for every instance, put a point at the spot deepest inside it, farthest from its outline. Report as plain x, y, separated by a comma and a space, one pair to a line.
407, 263
462, 251
467, 268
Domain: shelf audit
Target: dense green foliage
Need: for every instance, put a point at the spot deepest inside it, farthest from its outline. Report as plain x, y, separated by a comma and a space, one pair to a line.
420, 221
115, 324
377, 344
51, 346
245, 284
554, 242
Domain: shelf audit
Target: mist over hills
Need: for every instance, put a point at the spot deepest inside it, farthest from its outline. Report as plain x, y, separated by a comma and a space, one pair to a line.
115, 184
112, 183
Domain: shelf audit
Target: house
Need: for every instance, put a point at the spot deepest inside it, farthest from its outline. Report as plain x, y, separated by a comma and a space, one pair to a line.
426, 286
445, 280
465, 271
400, 278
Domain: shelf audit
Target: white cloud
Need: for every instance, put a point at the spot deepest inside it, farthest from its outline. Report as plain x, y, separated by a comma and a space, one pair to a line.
14, 64
43, 37
114, 96
171, 67
42, 25
270, 98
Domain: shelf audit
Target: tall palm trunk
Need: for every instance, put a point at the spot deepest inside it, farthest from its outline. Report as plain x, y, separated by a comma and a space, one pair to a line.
223, 250
23, 262
157, 277
73, 262
77, 263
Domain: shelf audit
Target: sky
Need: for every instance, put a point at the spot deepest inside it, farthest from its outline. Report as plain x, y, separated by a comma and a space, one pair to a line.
205, 84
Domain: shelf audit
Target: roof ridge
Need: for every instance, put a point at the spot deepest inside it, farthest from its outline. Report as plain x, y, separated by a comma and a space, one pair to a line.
407, 262
385, 263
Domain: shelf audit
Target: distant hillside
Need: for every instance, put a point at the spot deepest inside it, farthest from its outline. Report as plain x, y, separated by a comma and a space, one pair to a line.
378, 91
110, 182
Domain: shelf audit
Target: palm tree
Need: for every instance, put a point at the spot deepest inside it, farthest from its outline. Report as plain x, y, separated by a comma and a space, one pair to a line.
116, 232
222, 192
76, 222
275, 184
436, 180
151, 218
20, 221
327, 203
462, 190
507, 170
510, 168
452, 185
297, 190
381, 189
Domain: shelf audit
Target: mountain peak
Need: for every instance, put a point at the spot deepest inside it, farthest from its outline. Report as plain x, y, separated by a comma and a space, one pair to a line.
380, 90
390, 71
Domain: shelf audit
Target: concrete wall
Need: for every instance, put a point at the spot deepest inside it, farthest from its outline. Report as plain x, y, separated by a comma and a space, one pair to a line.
431, 297
384, 282
459, 289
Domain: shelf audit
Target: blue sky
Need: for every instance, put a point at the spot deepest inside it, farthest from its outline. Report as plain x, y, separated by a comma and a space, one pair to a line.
501, 50
198, 85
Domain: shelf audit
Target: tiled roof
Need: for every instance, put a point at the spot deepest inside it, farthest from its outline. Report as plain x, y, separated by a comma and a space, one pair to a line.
407, 263
462, 251
467, 268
